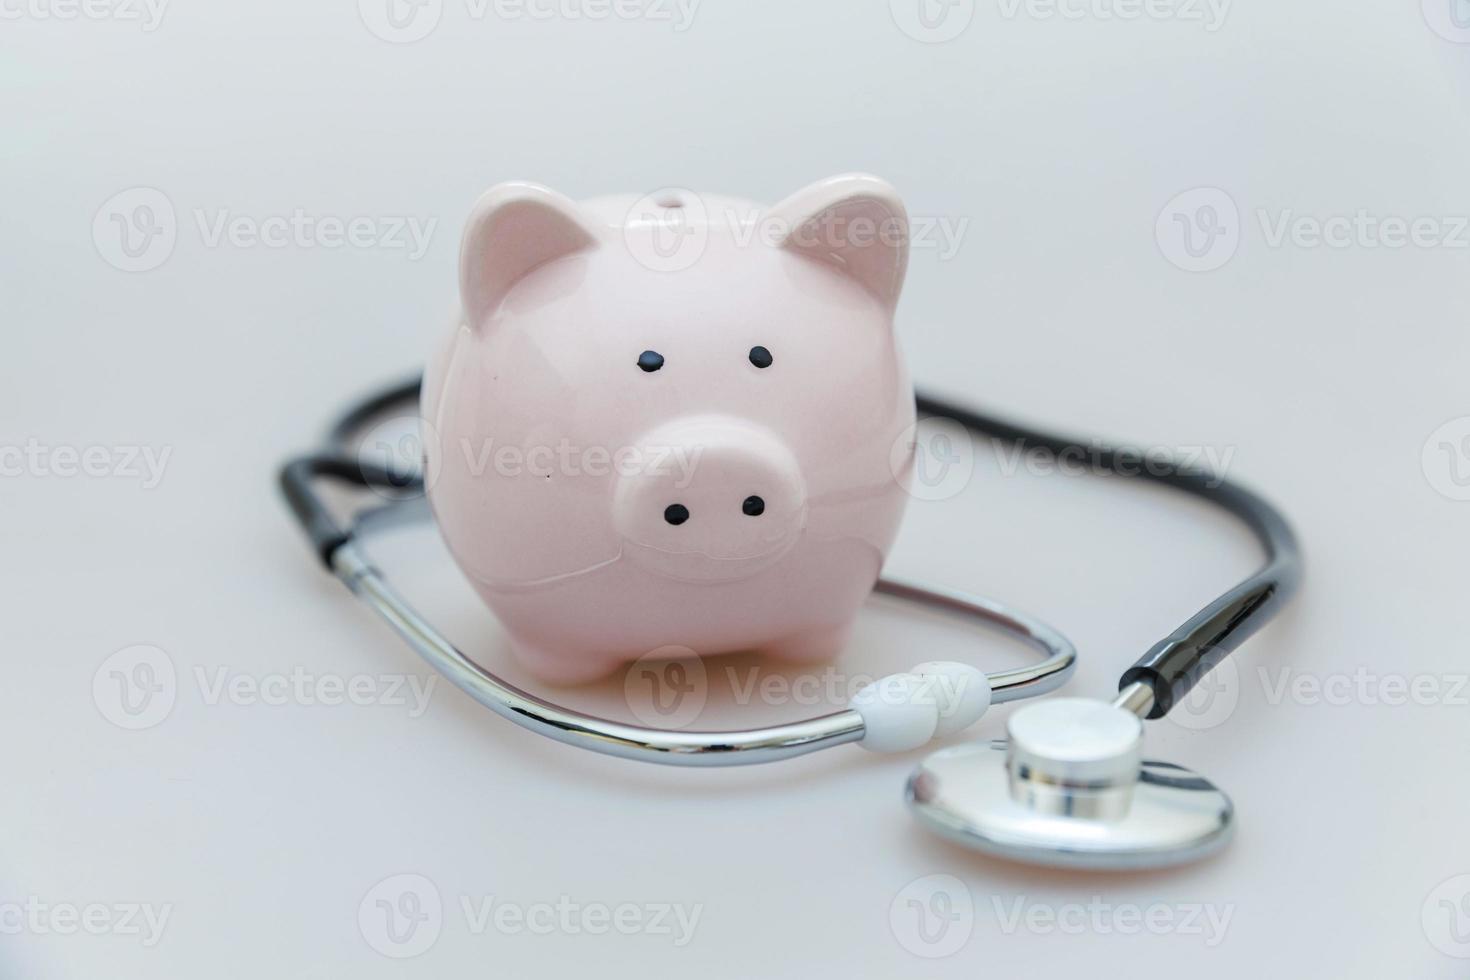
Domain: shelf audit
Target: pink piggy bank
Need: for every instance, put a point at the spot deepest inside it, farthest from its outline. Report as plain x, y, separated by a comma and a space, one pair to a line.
674, 422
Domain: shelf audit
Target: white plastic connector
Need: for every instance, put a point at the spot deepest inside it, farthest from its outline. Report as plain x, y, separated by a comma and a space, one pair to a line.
898, 713
961, 691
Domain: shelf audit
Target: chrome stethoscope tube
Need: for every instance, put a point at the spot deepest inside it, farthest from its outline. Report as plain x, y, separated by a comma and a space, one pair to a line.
693, 748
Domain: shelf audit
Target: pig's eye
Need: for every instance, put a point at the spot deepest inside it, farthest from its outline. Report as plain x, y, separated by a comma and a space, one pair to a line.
760, 357
650, 361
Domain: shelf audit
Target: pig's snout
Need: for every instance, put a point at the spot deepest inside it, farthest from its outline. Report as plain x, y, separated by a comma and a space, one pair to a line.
712, 498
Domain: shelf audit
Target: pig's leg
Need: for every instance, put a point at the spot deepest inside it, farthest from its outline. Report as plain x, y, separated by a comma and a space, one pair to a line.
562, 666
816, 645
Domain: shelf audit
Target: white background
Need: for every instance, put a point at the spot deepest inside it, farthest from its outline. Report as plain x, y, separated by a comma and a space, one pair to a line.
1060, 141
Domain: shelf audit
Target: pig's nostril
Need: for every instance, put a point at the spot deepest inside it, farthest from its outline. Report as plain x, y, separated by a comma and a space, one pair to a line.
676, 514
753, 506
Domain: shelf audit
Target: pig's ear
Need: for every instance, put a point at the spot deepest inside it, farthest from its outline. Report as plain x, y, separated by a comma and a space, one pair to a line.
853, 221
512, 229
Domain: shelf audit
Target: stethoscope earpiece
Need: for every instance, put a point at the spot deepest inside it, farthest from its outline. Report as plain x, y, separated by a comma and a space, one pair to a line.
1069, 788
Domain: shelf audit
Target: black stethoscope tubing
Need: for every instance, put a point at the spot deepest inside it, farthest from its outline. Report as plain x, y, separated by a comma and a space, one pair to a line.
1170, 668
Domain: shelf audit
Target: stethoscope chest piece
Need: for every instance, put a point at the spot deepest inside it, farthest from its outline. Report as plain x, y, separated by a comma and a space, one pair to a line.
1068, 788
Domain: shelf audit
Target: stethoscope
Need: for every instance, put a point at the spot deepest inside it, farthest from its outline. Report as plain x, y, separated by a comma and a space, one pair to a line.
1067, 787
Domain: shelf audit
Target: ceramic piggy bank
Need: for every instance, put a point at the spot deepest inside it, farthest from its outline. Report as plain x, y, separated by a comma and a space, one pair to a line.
679, 423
